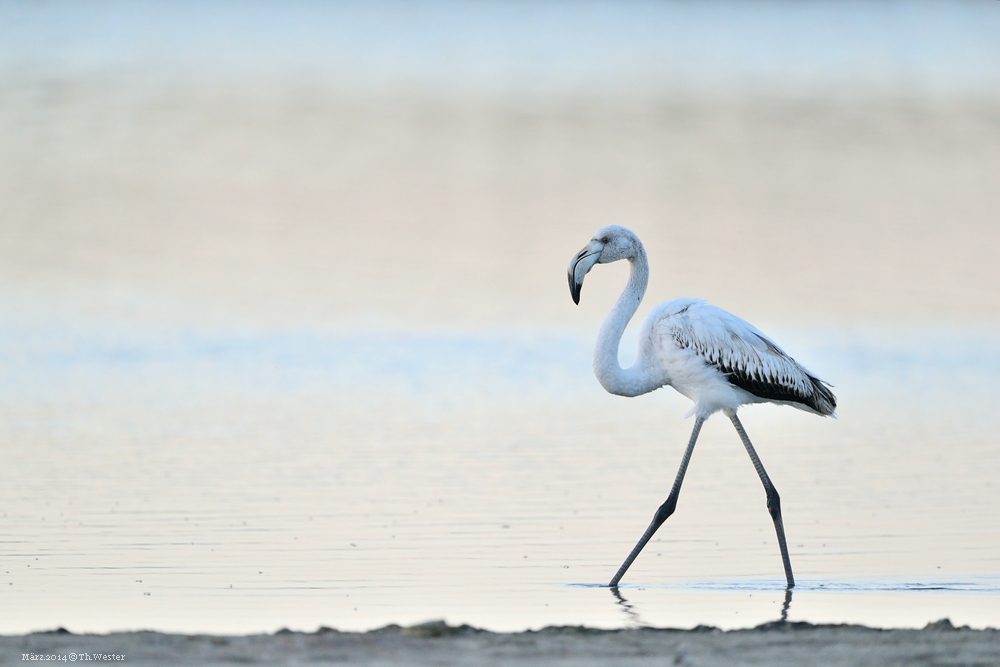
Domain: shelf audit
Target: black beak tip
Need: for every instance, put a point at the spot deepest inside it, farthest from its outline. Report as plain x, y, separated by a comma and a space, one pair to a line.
574, 290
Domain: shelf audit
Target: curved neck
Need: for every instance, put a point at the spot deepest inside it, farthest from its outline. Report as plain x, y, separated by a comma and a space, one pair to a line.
630, 381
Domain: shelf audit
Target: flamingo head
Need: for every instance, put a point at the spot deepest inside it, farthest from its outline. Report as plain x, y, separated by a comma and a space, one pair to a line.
609, 244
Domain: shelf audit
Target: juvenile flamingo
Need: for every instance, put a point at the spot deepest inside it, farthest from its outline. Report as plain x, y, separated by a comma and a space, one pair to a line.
714, 358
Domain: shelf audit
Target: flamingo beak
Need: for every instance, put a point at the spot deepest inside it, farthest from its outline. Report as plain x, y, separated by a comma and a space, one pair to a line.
581, 263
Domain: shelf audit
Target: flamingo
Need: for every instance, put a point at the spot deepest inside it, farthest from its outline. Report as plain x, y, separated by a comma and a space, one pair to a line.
714, 358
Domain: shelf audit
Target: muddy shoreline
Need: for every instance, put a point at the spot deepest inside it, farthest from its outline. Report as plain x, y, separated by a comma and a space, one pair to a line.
436, 643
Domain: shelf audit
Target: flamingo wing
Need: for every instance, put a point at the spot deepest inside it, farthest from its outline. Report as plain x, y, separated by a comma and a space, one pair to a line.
749, 359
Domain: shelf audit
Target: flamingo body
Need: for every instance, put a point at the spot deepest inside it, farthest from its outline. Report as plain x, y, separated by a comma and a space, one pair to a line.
721, 361
707, 354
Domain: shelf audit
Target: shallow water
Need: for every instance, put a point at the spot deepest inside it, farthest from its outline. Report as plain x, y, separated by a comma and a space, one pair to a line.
283, 352
233, 482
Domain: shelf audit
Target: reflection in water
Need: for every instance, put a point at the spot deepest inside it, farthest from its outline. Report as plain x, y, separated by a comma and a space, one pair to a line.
632, 618
631, 615
786, 605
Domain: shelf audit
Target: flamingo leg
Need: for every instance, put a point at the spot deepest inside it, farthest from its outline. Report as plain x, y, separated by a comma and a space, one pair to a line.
667, 508
773, 501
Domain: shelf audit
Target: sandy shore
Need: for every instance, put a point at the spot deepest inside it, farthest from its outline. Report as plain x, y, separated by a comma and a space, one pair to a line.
436, 643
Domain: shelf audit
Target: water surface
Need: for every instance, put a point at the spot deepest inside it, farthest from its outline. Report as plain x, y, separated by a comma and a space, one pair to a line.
232, 482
